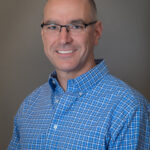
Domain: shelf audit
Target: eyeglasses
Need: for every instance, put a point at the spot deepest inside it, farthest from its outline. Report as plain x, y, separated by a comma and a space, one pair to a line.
74, 29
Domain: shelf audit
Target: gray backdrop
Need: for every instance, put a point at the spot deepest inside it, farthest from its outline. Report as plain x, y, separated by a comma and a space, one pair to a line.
125, 45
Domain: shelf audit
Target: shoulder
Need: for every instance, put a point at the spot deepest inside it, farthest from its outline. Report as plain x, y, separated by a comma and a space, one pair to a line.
119, 88
37, 93
34, 98
120, 96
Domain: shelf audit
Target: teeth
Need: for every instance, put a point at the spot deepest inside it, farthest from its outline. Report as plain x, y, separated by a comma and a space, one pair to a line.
65, 52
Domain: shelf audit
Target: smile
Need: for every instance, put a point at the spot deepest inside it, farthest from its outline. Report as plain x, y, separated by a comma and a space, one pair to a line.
65, 52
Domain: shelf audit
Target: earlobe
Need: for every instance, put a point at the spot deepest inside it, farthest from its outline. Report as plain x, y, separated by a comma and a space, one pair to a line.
42, 34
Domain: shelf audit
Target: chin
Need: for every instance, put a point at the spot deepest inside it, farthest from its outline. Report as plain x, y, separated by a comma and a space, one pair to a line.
67, 68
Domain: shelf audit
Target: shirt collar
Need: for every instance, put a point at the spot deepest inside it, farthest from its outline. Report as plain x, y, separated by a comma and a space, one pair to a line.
85, 81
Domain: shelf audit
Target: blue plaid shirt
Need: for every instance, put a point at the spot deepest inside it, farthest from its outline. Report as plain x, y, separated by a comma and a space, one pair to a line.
97, 111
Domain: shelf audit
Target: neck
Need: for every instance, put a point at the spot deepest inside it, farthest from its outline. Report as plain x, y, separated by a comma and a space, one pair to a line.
63, 77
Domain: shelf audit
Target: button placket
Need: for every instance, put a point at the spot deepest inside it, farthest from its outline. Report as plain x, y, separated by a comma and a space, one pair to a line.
55, 126
80, 93
57, 101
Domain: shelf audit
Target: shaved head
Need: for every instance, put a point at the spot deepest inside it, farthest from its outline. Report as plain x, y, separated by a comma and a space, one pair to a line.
93, 8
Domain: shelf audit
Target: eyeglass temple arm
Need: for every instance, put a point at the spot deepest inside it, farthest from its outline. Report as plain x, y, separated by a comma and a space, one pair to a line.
90, 23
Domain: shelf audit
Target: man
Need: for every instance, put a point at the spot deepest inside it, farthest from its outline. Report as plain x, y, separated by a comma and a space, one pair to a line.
81, 106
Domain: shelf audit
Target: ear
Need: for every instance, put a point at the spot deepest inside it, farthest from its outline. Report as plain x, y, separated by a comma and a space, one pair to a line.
42, 34
98, 31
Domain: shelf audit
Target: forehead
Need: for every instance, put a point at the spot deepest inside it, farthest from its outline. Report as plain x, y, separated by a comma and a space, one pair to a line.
67, 10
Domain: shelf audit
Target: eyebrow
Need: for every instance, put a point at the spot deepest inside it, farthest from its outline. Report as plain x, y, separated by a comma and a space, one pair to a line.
77, 21
49, 22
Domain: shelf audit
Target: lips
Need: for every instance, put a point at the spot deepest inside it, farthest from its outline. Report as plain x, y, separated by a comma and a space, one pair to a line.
68, 51
65, 51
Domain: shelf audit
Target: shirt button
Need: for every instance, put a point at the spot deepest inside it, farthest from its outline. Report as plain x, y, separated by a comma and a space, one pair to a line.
55, 126
53, 81
57, 101
80, 93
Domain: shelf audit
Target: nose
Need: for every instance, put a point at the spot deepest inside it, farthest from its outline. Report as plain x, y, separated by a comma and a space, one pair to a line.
65, 36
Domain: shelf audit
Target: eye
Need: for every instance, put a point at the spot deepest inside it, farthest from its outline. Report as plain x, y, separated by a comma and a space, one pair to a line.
52, 27
77, 27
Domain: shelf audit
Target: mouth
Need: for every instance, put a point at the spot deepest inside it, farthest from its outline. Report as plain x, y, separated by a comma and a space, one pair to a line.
65, 51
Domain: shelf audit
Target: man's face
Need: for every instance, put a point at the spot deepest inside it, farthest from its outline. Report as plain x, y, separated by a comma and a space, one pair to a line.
67, 52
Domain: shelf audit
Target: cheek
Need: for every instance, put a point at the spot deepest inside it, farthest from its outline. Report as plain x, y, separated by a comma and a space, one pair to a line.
47, 42
90, 42
47, 47
82, 41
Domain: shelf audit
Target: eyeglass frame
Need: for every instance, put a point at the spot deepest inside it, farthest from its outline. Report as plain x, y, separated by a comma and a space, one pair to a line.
67, 25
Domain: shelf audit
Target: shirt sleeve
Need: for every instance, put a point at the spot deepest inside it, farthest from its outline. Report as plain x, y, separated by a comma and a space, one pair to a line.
132, 131
14, 143
15, 140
